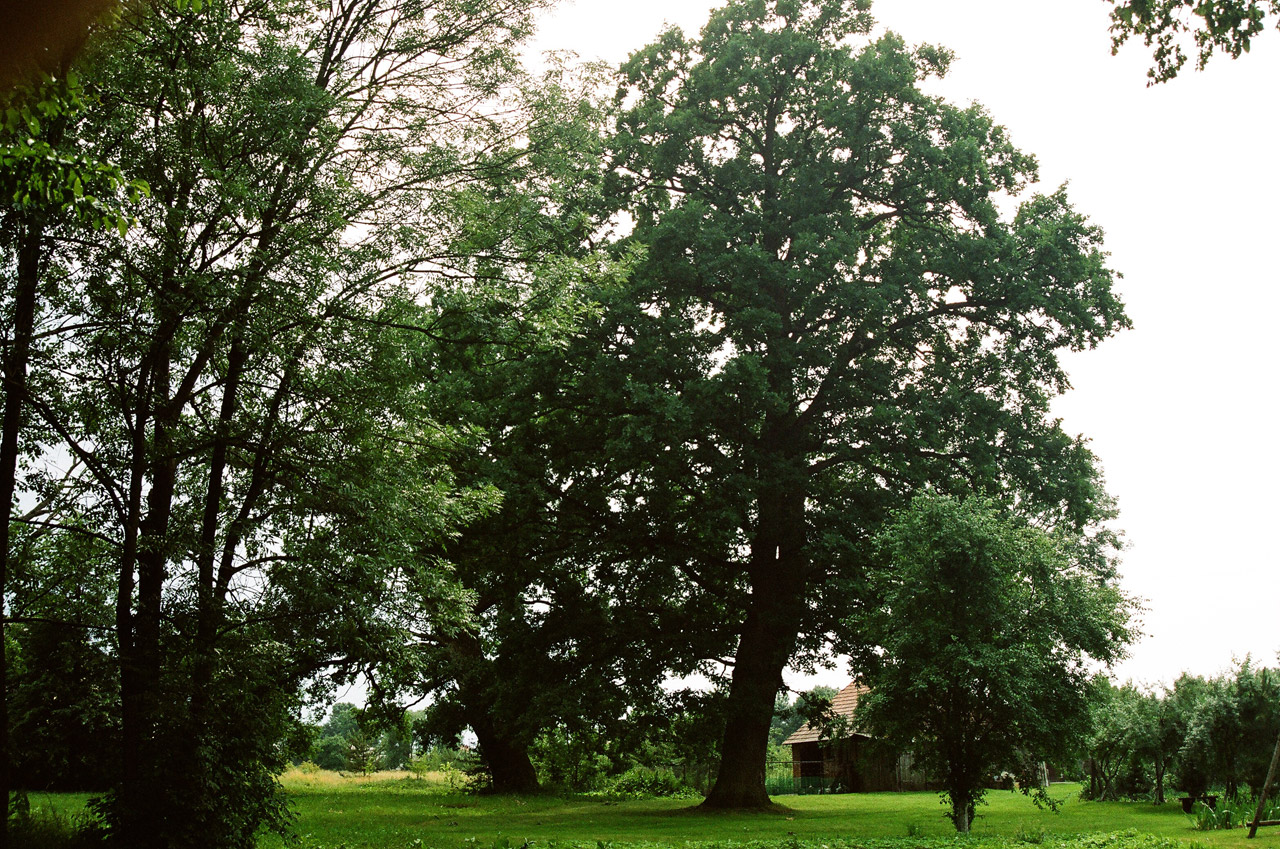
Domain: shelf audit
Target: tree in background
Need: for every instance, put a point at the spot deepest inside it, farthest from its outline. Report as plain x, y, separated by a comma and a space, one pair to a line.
1227, 732
968, 698
1156, 737
1201, 733
1228, 26
829, 313
1118, 729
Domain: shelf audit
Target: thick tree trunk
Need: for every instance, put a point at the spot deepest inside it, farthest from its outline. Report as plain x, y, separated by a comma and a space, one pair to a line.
774, 617
15, 390
507, 758
757, 677
505, 754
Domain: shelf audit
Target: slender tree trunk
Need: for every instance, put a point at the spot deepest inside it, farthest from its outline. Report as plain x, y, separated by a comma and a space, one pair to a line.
960, 811
208, 599
143, 791
130, 721
773, 621
15, 391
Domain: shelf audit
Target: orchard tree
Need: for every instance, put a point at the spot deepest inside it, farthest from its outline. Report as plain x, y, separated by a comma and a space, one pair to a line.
969, 699
1156, 737
1227, 26
835, 305
1229, 728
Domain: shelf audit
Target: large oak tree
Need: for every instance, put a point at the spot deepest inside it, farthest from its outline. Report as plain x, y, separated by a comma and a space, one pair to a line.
846, 292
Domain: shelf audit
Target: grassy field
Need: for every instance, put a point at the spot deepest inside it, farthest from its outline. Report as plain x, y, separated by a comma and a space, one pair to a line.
396, 811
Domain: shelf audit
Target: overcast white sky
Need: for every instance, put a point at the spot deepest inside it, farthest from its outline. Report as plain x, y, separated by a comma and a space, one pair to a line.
1184, 178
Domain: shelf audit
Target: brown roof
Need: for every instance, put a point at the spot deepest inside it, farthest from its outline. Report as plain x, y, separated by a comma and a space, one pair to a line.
842, 705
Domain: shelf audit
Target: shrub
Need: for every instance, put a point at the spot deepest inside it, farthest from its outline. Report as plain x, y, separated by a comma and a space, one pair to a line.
1232, 813
643, 782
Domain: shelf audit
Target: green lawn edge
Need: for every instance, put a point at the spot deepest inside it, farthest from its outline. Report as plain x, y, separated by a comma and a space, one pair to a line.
410, 814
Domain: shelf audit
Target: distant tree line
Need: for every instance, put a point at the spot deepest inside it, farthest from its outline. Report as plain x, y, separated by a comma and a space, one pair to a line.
1196, 735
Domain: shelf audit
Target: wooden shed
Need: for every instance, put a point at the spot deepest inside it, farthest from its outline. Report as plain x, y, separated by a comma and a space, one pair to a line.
851, 763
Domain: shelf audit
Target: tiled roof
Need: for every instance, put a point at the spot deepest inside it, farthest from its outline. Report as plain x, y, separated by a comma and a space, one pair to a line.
842, 705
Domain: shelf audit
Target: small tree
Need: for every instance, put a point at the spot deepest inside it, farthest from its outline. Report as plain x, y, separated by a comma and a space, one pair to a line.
985, 629
362, 753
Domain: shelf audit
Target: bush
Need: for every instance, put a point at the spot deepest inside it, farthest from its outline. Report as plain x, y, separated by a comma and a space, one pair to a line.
641, 782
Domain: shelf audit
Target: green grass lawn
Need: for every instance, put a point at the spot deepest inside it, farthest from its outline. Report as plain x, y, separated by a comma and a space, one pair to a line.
397, 813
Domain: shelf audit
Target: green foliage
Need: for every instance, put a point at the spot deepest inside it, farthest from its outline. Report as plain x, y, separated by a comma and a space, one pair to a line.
969, 700
645, 782
828, 313
364, 742
572, 761
1120, 727
1198, 734
42, 176
1211, 26
330, 753
789, 716
1232, 813
63, 708
62, 682
362, 754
